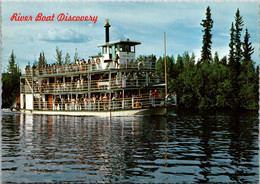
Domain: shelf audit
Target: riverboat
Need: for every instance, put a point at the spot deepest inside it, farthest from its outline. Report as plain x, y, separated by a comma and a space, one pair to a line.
112, 83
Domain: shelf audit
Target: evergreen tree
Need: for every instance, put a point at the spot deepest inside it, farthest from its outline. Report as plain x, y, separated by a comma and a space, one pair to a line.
216, 58
76, 56
237, 36
248, 50
160, 66
187, 83
58, 57
207, 24
223, 61
41, 60
12, 66
178, 68
11, 83
67, 59
248, 79
231, 55
29, 64
235, 55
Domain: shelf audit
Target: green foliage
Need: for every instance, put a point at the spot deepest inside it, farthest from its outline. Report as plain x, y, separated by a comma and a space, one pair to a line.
11, 83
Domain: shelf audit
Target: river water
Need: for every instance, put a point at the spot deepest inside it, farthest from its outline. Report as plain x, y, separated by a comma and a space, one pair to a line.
182, 147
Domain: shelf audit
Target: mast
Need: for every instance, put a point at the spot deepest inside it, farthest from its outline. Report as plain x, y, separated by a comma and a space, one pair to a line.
165, 67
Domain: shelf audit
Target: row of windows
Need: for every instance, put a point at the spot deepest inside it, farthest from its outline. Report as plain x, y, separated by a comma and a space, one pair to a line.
120, 47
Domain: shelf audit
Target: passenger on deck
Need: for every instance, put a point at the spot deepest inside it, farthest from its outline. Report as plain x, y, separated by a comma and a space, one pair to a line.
62, 103
136, 79
66, 69
117, 79
67, 104
77, 104
114, 97
101, 79
82, 84
94, 101
86, 102
81, 102
58, 86
58, 100
124, 79
116, 61
78, 85
64, 86
155, 95
151, 98
119, 95
54, 68
73, 101
101, 98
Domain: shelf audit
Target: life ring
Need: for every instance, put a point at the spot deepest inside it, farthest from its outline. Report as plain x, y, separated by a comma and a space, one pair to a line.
97, 60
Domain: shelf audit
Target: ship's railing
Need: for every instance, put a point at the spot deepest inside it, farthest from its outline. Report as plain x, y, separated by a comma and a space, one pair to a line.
96, 105
72, 68
92, 66
93, 85
135, 64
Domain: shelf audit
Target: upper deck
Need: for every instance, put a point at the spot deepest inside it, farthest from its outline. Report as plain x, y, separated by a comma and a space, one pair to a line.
93, 66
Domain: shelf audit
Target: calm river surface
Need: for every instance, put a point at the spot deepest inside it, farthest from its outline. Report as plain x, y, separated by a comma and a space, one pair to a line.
183, 147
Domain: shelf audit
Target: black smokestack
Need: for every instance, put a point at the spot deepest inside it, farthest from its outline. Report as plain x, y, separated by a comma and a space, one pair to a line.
107, 30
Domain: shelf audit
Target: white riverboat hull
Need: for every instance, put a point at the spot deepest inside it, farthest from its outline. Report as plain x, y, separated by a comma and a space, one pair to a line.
157, 111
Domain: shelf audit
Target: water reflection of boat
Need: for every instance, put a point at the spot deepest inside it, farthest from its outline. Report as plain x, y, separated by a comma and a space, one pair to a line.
113, 83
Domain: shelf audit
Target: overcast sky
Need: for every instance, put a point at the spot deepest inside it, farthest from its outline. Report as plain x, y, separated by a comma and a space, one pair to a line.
138, 21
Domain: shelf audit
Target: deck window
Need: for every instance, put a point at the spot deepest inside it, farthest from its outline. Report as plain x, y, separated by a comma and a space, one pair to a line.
132, 48
104, 50
121, 48
127, 48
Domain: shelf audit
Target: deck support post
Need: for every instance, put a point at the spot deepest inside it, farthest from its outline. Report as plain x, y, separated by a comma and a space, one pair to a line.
110, 90
89, 86
123, 101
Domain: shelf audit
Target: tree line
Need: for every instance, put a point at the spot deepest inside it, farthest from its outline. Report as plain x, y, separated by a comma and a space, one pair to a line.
11, 78
59, 59
211, 83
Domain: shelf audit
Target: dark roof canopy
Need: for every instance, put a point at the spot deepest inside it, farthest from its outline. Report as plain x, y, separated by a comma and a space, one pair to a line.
128, 42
